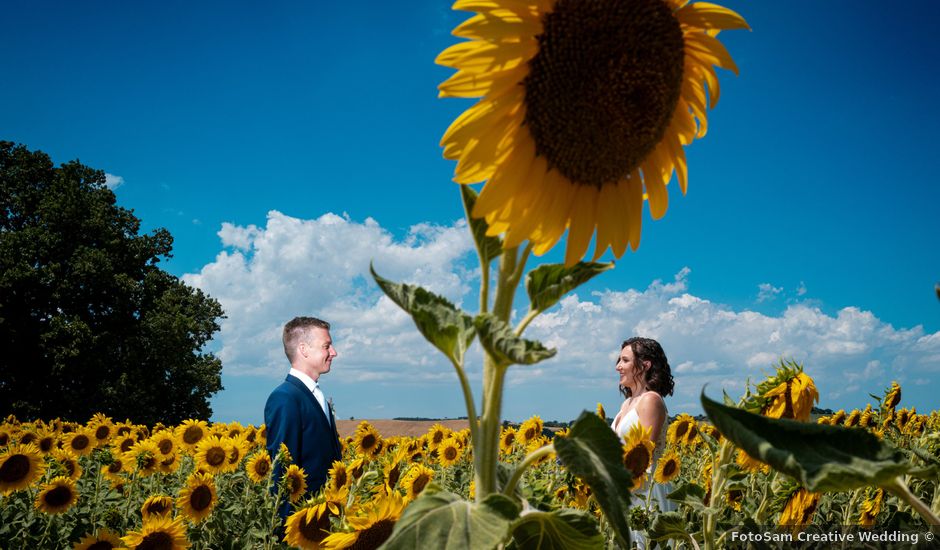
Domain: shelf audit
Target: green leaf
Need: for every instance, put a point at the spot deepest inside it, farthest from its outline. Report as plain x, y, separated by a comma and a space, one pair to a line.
562, 530
489, 248
668, 525
691, 495
821, 457
505, 347
548, 283
439, 519
593, 452
446, 327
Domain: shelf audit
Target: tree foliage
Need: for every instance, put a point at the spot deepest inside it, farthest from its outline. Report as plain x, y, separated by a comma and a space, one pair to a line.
88, 321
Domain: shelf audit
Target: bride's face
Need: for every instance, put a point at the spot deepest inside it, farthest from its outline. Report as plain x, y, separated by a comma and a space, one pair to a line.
626, 367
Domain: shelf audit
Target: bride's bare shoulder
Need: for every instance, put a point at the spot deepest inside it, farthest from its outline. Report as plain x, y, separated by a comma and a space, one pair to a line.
651, 401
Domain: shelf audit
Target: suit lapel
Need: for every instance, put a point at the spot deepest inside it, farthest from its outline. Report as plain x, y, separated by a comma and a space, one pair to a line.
306, 391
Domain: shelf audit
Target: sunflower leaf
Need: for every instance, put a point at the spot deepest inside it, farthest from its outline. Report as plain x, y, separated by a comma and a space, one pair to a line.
440, 322
548, 283
689, 494
440, 519
502, 344
488, 247
593, 452
558, 530
821, 457
668, 525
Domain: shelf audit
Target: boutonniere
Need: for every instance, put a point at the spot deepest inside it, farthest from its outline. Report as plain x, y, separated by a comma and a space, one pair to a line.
329, 402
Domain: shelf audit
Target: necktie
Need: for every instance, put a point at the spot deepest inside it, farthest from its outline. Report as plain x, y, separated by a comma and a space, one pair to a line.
322, 400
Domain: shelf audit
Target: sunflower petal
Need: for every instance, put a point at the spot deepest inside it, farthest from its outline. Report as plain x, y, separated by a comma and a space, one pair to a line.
498, 26
710, 50
705, 15
581, 225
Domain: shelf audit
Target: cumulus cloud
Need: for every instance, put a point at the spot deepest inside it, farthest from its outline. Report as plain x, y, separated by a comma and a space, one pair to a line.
112, 182
266, 275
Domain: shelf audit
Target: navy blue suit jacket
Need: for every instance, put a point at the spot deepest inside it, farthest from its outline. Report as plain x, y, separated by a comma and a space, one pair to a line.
293, 416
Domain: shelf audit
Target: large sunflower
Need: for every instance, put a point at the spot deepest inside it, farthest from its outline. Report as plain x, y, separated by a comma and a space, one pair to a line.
870, 509
638, 454
892, 397
191, 432
789, 394
584, 109
198, 498
506, 440
166, 442
799, 509
530, 429
20, 465
79, 442
212, 455
144, 457
682, 430
338, 477
367, 440
296, 480
101, 428
416, 479
373, 524
668, 467
68, 462
162, 532
57, 496
156, 505
449, 452
306, 528
258, 466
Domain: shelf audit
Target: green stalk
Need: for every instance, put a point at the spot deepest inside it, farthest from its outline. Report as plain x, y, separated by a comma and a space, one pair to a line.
899, 489
532, 314
718, 486
765, 501
529, 460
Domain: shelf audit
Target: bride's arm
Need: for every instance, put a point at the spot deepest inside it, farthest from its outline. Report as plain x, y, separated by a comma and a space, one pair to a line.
652, 413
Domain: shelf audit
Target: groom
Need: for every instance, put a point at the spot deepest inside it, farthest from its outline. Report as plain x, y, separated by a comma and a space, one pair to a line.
297, 414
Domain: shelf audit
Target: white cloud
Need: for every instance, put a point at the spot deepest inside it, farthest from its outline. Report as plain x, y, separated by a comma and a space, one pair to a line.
767, 292
112, 182
266, 275
801, 290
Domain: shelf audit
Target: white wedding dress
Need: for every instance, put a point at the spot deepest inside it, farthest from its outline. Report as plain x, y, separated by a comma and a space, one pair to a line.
622, 427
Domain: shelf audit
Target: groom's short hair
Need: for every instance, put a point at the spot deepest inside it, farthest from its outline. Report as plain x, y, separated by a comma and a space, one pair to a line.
296, 330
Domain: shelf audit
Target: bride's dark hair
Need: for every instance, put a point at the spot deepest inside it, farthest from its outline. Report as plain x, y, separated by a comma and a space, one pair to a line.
658, 376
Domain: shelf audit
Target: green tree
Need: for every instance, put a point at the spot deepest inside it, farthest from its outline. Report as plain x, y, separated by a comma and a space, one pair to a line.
88, 321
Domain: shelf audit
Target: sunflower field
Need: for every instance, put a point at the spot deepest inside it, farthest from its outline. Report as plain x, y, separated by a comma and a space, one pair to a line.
106, 484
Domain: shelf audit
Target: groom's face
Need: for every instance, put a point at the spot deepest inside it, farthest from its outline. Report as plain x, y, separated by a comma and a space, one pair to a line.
319, 351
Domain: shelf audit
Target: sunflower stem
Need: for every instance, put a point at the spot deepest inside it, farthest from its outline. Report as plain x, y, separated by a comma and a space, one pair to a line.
718, 487
472, 419
765, 501
532, 314
899, 489
528, 461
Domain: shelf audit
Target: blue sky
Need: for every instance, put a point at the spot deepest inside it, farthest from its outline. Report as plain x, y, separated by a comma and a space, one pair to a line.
286, 145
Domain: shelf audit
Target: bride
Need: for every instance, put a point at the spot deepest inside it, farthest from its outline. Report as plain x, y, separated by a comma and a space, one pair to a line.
645, 379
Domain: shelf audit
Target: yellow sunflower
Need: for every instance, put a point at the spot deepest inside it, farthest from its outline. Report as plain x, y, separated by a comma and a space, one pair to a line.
436, 435
799, 509
367, 440
391, 473
101, 428
114, 470
156, 505
668, 467
259, 467
198, 498
416, 479
168, 464
191, 432
212, 455
237, 449
123, 443
6, 435
144, 457
46, 441
166, 442
68, 462
506, 440
296, 480
749, 463
306, 528
356, 468
162, 532
57, 496
852, 419
530, 429
104, 540
870, 509
338, 477
892, 397
682, 430
638, 454
20, 466
790, 394
79, 442
373, 524
449, 452
837, 418
585, 109
600, 412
